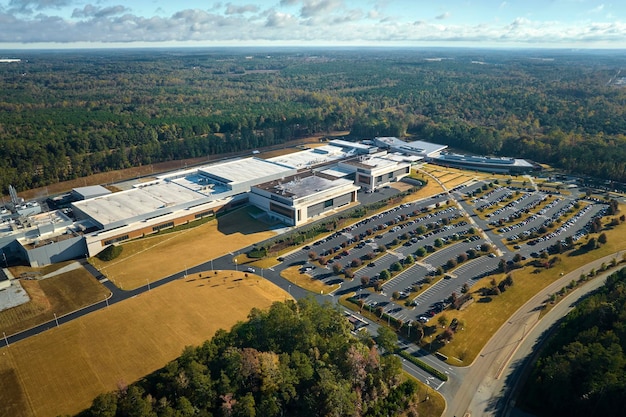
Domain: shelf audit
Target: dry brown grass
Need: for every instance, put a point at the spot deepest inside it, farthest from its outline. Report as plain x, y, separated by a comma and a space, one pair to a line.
293, 275
60, 371
156, 257
61, 294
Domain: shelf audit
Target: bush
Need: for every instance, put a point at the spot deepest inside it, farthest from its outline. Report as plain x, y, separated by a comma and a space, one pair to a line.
257, 253
110, 253
406, 355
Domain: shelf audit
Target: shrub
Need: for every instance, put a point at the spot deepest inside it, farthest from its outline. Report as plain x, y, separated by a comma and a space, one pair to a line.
110, 253
257, 253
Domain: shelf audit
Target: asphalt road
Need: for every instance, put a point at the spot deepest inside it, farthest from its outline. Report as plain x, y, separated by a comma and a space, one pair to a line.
481, 392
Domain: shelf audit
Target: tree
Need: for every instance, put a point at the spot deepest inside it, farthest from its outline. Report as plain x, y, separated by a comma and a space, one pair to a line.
337, 268
365, 280
442, 320
387, 339
396, 267
602, 238
384, 275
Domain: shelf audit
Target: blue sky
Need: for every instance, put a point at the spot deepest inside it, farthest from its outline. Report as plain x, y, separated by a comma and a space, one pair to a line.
479, 23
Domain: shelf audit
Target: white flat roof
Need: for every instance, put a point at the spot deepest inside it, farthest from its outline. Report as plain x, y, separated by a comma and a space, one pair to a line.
91, 191
311, 157
347, 144
417, 146
424, 147
244, 170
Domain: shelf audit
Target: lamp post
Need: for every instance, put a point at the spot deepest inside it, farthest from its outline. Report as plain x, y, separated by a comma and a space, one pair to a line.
409, 329
148, 281
289, 289
106, 300
211, 264
235, 264
56, 319
5, 339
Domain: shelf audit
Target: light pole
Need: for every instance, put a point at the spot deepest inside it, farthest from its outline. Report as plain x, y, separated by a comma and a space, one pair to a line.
261, 272
106, 300
5, 339
4, 257
211, 264
185, 271
55, 319
409, 329
148, 281
235, 264
289, 289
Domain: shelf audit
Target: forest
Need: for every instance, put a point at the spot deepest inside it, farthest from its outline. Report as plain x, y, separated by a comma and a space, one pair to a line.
296, 359
582, 370
69, 114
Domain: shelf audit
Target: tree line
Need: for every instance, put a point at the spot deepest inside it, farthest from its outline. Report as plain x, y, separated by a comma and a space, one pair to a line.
582, 370
72, 114
294, 359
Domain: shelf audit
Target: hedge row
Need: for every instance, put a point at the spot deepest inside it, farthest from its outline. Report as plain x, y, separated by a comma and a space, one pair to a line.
406, 355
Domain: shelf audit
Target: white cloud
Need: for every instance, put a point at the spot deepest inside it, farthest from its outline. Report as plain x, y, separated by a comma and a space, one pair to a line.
313, 8
280, 20
443, 16
324, 22
234, 9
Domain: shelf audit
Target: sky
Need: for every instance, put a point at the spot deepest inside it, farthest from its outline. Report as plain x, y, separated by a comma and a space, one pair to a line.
419, 23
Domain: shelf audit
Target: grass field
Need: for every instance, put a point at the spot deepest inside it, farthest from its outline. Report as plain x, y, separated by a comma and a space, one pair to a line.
55, 295
292, 274
60, 371
158, 256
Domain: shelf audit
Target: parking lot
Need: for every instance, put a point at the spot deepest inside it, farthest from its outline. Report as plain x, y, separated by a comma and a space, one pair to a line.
443, 232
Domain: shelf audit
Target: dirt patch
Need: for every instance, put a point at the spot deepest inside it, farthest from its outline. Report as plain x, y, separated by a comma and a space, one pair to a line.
60, 294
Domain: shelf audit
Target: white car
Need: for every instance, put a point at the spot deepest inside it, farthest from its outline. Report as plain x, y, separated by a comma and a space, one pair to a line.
251, 270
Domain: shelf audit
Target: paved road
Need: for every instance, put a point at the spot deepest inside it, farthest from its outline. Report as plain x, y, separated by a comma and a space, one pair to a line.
481, 387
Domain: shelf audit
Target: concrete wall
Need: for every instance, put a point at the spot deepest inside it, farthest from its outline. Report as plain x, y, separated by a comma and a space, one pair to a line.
64, 250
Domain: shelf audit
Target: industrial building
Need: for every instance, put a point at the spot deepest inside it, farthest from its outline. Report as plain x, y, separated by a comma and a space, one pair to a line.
420, 148
172, 199
299, 198
293, 189
376, 171
485, 163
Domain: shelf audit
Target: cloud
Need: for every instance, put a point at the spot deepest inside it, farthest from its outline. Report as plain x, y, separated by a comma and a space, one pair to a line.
443, 16
280, 20
90, 11
314, 8
333, 24
27, 6
234, 9
289, 2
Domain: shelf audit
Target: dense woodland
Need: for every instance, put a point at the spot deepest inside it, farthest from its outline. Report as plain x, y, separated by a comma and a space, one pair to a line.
582, 371
296, 359
67, 114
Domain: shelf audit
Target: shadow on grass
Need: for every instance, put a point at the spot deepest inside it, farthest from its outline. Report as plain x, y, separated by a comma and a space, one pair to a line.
241, 221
